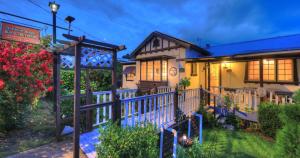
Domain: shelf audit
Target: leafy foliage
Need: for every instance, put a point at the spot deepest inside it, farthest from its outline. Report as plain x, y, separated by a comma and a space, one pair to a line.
296, 97
25, 76
185, 82
268, 118
100, 80
129, 142
208, 118
231, 119
288, 138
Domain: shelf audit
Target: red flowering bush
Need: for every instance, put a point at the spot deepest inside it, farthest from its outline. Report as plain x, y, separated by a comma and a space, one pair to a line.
25, 75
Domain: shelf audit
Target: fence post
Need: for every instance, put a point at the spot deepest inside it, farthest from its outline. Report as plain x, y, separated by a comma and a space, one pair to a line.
200, 129
117, 109
189, 128
175, 101
214, 106
161, 141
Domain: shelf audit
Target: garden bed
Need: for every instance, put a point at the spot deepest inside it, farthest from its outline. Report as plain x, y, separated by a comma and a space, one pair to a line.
39, 130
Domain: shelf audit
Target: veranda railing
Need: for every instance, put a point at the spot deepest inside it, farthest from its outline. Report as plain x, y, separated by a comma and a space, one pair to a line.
105, 113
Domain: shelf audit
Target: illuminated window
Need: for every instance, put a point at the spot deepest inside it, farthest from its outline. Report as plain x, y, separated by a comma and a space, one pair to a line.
164, 70
130, 77
149, 70
143, 71
269, 70
157, 70
285, 70
194, 69
253, 70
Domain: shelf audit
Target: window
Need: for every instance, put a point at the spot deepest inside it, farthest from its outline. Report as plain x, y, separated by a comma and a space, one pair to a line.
269, 70
157, 70
144, 71
194, 69
274, 70
164, 70
253, 70
149, 70
156, 43
130, 77
285, 70
154, 70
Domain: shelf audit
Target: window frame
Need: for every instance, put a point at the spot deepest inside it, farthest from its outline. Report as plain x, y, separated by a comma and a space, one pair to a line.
130, 79
153, 70
276, 81
194, 65
247, 72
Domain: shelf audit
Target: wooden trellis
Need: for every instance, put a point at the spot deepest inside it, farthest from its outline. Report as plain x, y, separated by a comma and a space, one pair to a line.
79, 53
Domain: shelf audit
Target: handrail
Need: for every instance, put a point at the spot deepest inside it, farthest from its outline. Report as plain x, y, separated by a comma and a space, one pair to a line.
145, 96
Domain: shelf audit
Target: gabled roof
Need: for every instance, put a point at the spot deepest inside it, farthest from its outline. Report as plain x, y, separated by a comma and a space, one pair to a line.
180, 42
274, 44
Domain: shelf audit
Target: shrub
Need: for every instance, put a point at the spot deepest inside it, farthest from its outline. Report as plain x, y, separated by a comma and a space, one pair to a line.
129, 142
231, 119
268, 118
25, 76
198, 150
296, 97
208, 118
288, 138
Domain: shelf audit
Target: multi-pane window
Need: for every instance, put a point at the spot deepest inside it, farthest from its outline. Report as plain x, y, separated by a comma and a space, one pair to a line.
150, 70
269, 70
253, 70
285, 70
130, 76
154, 70
194, 69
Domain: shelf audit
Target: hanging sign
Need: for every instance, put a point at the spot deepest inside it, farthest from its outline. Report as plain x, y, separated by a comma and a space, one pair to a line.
20, 33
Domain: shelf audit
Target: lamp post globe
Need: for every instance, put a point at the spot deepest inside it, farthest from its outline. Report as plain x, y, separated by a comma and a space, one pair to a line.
53, 6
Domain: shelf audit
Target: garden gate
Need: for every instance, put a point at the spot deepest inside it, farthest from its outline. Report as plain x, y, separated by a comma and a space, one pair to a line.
80, 53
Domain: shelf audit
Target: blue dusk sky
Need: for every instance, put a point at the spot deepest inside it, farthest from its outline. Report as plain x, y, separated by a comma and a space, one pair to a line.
130, 21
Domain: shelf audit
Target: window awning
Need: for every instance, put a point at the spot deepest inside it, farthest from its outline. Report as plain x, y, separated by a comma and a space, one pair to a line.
129, 70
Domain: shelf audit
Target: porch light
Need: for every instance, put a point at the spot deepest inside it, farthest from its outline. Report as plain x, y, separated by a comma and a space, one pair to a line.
185, 141
53, 6
184, 137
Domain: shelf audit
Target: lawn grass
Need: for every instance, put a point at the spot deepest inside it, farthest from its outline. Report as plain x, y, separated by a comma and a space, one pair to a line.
239, 144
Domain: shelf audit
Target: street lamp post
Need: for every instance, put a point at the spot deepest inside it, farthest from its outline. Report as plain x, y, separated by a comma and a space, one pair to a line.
56, 72
54, 8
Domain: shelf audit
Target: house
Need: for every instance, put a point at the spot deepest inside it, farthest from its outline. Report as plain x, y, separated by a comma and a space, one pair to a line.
271, 65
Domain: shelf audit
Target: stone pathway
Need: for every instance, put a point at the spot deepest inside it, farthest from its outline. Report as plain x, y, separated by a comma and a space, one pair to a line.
53, 150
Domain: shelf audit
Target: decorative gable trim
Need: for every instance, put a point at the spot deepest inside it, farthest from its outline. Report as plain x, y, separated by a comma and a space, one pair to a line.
165, 42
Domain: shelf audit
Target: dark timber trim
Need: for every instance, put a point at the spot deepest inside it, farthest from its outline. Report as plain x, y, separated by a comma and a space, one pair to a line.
76, 118
57, 93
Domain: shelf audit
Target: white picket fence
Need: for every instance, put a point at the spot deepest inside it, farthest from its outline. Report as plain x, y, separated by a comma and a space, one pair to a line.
156, 109
105, 113
189, 100
247, 99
